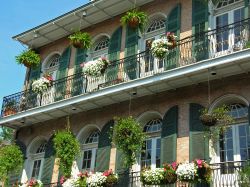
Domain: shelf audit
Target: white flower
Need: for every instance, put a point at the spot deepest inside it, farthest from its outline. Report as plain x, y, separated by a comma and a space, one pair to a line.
69, 182
96, 180
94, 68
186, 171
160, 47
155, 176
40, 85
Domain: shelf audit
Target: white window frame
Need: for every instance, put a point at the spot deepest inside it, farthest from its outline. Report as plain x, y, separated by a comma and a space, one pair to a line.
87, 147
35, 157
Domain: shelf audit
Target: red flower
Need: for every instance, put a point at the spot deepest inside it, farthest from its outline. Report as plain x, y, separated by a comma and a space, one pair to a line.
62, 180
107, 172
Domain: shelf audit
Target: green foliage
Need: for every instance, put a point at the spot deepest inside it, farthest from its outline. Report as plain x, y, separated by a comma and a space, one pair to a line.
67, 148
83, 38
135, 14
129, 138
248, 44
224, 120
28, 57
11, 161
244, 176
81, 181
6, 134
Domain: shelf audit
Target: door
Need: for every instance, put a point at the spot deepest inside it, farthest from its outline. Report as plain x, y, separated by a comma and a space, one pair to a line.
229, 37
151, 65
151, 152
234, 147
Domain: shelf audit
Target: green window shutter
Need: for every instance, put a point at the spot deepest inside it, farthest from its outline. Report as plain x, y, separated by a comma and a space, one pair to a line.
49, 160
247, 9
169, 136
114, 54
173, 24
62, 72
130, 62
199, 147
199, 25
104, 147
35, 73
22, 147
119, 161
77, 82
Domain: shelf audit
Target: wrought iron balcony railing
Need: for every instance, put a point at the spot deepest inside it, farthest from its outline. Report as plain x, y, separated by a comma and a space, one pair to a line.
202, 46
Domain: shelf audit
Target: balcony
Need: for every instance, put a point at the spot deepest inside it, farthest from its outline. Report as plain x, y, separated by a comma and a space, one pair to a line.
225, 49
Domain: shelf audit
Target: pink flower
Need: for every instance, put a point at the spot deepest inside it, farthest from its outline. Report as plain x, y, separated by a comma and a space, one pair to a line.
62, 180
174, 165
199, 163
82, 65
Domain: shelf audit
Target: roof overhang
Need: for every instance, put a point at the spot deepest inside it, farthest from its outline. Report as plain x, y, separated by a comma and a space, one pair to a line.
90, 14
232, 64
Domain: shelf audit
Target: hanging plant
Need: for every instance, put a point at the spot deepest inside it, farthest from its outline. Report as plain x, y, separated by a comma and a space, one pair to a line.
80, 40
135, 19
11, 161
10, 107
67, 148
217, 122
129, 138
28, 58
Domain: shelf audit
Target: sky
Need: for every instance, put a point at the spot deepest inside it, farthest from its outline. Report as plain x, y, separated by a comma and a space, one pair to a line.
17, 16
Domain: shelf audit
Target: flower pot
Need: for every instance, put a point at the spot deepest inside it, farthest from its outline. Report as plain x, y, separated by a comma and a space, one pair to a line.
8, 112
26, 64
133, 23
171, 178
77, 44
208, 120
104, 68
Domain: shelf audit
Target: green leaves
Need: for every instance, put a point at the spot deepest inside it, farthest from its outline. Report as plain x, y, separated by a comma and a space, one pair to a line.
129, 138
135, 16
81, 39
67, 148
29, 58
11, 160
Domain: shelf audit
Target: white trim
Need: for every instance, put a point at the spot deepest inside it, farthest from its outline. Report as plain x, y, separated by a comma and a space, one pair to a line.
145, 117
33, 142
100, 35
167, 75
227, 97
89, 126
45, 61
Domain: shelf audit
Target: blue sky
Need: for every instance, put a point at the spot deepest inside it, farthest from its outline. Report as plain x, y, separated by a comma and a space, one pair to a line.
17, 16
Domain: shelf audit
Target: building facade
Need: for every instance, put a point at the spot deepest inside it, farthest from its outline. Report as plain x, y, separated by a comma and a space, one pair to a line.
208, 68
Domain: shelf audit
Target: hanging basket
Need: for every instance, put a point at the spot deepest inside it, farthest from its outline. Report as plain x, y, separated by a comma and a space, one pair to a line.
26, 64
8, 112
77, 44
208, 120
133, 23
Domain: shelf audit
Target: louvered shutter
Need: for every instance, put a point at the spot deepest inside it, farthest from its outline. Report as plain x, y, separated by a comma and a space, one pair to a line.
104, 148
169, 136
35, 73
247, 4
173, 24
62, 72
119, 167
48, 164
77, 87
200, 25
130, 62
199, 148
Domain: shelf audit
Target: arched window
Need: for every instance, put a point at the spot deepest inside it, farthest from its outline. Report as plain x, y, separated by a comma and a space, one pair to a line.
150, 156
89, 146
223, 3
52, 65
36, 157
156, 24
100, 47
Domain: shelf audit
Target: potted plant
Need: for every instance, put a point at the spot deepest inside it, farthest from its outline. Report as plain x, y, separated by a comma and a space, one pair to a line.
80, 40
153, 176
244, 174
204, 171
41, 85
32, 183
135, 19
96, 180
95, 68
29, 58
187, 172
130, 130
170, 173
171, 39
208, 119
111, 179
159, 48
10, 107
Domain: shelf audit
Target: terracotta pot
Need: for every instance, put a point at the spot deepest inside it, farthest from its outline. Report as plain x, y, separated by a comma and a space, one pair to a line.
26, 64
134, 22
208, 120
8, 112
77, 44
